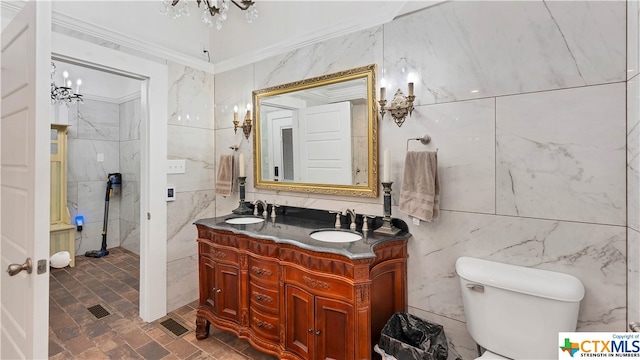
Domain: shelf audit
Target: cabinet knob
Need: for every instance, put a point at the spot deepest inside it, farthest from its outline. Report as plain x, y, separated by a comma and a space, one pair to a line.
260, 324
310, 331
259, 271
259, 297
218, 291
318, 333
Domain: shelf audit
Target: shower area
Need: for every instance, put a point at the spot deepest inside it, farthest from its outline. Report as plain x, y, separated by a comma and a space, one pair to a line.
103, 137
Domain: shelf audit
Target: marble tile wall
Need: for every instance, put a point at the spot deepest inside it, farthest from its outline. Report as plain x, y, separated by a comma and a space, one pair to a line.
191, 138
527, 106
130, 168
95, 129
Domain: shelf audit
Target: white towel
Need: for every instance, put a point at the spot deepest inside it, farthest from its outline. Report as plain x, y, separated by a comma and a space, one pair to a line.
225, 176
420, 194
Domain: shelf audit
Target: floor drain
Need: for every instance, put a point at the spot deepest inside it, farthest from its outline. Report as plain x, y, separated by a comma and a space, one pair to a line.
174, 328
98, 311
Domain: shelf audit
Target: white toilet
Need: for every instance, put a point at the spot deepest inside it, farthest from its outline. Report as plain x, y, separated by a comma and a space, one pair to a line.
516, 312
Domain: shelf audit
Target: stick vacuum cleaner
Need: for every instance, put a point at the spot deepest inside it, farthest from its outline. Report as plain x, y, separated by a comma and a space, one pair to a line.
114, 180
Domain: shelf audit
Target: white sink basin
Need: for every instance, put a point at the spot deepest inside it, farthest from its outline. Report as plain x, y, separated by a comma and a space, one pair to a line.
335, 236
243, 220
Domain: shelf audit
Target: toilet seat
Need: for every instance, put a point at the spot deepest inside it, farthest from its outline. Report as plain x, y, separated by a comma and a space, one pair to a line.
487, 355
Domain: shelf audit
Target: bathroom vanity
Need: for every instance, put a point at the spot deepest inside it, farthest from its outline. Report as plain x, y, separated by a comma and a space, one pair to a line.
296, 297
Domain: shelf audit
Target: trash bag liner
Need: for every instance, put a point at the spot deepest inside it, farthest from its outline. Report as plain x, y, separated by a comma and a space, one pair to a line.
408, 337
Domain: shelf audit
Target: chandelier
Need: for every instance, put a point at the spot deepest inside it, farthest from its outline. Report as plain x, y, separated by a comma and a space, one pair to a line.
64, 94
175, 9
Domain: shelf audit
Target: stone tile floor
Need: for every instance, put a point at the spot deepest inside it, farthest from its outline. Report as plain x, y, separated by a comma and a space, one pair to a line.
112, 281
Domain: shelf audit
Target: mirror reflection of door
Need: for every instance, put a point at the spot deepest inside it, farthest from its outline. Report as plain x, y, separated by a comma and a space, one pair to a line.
325, 144
280, 149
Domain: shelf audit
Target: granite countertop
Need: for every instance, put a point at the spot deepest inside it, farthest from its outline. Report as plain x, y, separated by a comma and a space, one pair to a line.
294, 226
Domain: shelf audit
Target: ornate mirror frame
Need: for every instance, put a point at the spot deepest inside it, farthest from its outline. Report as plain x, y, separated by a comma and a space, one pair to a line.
371, 188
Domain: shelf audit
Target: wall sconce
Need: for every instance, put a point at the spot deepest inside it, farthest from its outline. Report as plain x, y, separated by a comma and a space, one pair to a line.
246, 125
400, 105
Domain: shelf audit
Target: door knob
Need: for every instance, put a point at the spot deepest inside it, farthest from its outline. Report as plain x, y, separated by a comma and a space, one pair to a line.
14, 269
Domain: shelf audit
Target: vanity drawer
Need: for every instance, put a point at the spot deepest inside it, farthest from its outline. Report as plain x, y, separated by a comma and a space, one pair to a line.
265, 326
264, 298
318, 284
218, 253
263, 270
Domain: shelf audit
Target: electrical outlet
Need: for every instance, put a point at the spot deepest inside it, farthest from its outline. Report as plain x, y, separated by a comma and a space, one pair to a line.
176, 166
100, 157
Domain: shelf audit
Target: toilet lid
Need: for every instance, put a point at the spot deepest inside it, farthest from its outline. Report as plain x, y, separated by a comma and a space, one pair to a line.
489, 355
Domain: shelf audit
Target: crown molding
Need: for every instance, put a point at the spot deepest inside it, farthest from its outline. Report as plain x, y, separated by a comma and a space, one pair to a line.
144, 47
118, 101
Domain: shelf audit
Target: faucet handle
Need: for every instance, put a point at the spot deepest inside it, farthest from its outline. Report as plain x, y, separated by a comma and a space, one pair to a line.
264, 210
273, 210
365, 222
255, 209
337, 225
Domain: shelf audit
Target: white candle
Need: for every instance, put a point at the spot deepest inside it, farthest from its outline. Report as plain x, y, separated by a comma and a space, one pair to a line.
235, 113
386, 175
79, 82
410, 89
241, 166
383, 93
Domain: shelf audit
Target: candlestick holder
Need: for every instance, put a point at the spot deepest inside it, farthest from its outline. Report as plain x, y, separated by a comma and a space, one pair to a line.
387, 227
242, 209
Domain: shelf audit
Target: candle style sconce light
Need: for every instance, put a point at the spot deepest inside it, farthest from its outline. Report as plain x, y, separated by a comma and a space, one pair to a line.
246, 125
400, 105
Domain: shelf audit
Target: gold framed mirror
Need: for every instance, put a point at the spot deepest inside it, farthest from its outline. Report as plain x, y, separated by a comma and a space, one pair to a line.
318, 135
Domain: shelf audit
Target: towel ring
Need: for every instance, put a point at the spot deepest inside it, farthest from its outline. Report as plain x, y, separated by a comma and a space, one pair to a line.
426, 139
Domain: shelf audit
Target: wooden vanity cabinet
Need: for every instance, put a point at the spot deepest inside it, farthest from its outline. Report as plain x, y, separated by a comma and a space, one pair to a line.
296, 303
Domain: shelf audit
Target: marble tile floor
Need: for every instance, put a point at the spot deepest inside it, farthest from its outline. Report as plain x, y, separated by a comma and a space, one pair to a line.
112, 281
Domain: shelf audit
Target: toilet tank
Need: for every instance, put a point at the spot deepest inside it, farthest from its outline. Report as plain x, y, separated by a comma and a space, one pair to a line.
516, 311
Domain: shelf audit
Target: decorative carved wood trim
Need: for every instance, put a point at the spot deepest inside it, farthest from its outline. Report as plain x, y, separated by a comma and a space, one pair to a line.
245, 317
261, 271
316, 283
218, 254
244, 261
263, 324
362, 294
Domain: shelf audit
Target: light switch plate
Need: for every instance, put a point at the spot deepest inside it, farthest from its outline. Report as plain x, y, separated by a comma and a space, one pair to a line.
176, 166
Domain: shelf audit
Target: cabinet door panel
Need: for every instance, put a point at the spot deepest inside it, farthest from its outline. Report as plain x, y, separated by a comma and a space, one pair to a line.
228, 297
334, 329
299, 321
207, 283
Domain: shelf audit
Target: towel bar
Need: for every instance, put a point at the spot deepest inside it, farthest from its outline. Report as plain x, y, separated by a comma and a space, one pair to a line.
426, 139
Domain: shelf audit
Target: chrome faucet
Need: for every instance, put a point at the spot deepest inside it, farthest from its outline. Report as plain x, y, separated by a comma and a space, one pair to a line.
352, 214
264, 208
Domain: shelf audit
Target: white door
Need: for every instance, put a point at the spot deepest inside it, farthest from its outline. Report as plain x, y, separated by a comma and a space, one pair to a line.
24, 182
324, 140
278, 121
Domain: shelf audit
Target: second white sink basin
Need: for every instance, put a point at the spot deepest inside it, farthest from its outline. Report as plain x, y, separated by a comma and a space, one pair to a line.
244, 220
336, 236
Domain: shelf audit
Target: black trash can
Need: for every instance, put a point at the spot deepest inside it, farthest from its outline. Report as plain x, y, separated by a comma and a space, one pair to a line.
407, 337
